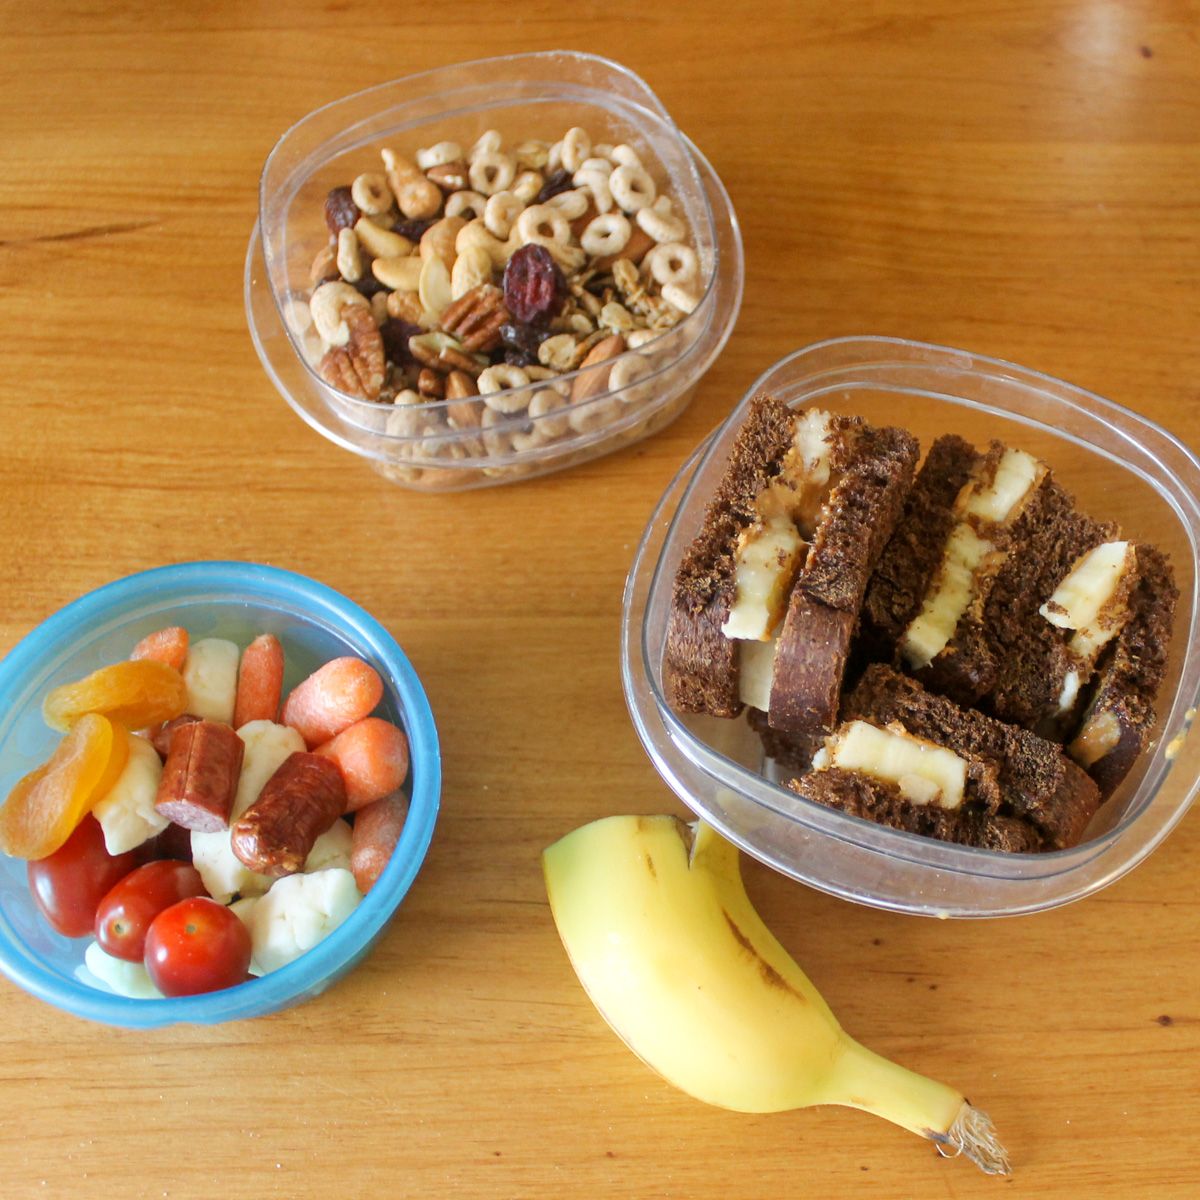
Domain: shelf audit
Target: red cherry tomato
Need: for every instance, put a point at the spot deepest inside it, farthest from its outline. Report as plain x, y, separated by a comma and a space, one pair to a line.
125, 913
197, 946
68, 885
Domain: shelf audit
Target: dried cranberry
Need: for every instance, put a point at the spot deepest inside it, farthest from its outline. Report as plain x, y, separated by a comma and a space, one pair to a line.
395, 334
560, 181
340, 210
413, 230
534, 288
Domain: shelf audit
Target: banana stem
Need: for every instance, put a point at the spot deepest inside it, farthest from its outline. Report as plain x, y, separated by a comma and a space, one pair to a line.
863, 1079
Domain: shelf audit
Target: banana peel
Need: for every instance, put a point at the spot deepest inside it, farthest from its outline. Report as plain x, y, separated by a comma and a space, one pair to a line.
659, 928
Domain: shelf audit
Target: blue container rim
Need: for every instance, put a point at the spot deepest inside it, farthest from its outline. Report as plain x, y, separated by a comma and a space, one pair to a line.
325, 961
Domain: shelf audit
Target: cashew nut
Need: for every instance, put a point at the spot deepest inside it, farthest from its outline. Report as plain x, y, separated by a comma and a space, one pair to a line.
401, 274
472, 267
439, 155
379, 242
349, 260
440, 239
326, 307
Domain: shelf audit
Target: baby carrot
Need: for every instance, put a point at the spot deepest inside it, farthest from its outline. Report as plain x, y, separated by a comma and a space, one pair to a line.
377, 829
260, 681
373, 756
331, 699
168, 646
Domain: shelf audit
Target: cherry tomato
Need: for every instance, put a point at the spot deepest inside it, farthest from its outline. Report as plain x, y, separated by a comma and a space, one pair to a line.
125, 913
68, 885
197, 946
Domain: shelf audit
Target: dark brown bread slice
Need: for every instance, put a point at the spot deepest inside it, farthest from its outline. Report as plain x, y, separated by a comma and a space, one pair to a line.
873, 478
810, 663
700, 664
882, 803
1032, 780
1132, 670
1030, 653
901, 578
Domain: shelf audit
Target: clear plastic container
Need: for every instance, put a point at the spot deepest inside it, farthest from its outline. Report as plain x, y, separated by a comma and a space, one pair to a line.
210, 599
525, 96
1119, 466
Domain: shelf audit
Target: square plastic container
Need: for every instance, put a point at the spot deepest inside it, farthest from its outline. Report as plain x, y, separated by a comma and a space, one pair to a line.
526, 96
237, 601
1118, 465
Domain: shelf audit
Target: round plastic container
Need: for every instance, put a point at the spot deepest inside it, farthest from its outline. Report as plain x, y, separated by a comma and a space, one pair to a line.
237, 601
524, 96
1118, 465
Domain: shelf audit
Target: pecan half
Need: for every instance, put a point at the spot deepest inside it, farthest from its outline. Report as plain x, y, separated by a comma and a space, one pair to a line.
358, 368
475, 318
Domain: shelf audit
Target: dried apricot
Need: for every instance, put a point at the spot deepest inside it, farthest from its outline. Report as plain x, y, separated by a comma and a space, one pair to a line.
42, 811
136, 694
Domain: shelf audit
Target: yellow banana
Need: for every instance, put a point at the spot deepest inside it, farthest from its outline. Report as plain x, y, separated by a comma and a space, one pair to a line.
662, 935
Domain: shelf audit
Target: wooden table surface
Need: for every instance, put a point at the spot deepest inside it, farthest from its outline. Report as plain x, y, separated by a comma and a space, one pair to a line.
1019, 180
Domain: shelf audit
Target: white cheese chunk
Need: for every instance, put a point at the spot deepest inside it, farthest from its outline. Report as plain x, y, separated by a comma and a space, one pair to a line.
210, 673
949, 595
126, 811
298, 912
130, 979
924, 772
756, 667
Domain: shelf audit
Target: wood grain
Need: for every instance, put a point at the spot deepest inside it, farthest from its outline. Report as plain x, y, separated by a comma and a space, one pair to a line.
1018, 180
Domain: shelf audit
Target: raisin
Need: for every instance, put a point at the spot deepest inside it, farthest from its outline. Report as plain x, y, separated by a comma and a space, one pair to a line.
560, 181
340, 210
534, 288
523, 338
368, 285
413, 230
395, 334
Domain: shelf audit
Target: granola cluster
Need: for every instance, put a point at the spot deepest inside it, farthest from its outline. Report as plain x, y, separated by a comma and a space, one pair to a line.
461, 288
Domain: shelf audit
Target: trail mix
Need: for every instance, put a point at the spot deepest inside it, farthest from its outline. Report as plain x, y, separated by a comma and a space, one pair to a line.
470, 274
